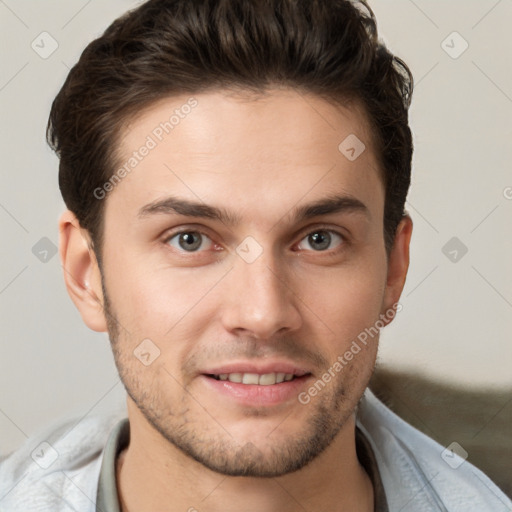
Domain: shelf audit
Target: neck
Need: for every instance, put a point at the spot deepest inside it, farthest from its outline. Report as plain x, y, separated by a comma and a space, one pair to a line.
153, 474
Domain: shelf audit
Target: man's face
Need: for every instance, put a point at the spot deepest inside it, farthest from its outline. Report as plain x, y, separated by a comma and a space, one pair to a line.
268, 293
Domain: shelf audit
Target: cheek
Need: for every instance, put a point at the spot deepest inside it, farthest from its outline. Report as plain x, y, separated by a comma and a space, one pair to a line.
346, 300
156, 301
161, 302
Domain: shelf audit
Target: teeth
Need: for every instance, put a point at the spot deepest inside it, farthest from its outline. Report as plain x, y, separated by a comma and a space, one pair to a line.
250, 378
267, 379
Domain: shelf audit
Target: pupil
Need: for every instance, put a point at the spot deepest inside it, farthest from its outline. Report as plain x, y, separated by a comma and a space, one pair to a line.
321, 238
188, 240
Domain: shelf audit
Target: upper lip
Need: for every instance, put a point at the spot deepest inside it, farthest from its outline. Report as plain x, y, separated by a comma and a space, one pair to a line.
259, 368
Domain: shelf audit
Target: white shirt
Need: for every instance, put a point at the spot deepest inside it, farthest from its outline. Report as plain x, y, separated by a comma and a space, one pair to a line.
58, 469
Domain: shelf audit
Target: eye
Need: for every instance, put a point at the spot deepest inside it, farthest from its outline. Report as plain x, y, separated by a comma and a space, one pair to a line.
321, 239
189, 241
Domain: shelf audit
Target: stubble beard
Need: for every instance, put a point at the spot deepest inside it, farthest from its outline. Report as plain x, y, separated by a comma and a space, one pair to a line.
214, 447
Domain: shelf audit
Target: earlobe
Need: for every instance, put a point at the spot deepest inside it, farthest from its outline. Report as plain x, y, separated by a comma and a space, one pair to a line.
398, 264
81, 272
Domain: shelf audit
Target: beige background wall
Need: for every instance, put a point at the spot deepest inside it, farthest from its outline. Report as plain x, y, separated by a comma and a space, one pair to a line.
457, 309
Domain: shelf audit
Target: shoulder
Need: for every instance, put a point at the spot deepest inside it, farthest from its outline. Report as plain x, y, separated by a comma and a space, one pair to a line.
57, 467
418, 474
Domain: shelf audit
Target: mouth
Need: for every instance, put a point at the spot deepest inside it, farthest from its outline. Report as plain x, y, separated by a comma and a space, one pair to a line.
253, 384
265, 379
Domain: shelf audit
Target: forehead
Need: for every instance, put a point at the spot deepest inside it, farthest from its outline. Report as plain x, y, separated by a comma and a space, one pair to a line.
264, 153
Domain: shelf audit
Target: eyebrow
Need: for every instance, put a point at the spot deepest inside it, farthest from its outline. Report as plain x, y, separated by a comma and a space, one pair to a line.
328, 205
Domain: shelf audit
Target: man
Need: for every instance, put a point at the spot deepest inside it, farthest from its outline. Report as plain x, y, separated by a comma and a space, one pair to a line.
235, 175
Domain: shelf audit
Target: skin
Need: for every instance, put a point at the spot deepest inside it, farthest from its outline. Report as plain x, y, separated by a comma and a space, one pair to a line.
259, 158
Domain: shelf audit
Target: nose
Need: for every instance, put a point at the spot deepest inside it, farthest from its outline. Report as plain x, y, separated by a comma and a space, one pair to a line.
261, 301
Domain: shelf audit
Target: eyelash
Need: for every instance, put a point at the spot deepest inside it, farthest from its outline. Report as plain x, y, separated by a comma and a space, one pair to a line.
331, 252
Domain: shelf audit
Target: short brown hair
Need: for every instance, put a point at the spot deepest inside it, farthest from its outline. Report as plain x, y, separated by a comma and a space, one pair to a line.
166, 47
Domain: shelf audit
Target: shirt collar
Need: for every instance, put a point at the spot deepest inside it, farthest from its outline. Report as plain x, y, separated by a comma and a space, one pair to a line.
107, 499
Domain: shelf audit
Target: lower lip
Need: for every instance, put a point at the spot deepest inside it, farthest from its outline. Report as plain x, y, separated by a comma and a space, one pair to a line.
254, 394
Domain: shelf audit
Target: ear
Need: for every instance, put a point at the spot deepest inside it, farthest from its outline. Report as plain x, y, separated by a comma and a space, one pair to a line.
81, 271
398, 264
